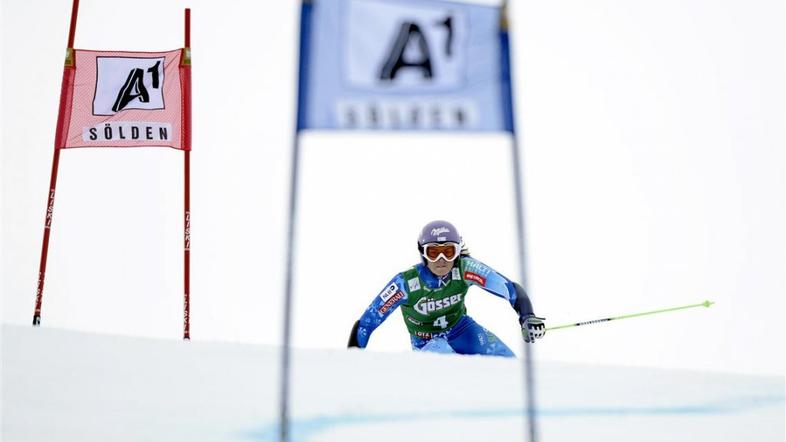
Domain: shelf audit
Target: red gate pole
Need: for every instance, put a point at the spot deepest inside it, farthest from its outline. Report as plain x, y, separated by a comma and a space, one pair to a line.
187, 180
68, 75
39, 293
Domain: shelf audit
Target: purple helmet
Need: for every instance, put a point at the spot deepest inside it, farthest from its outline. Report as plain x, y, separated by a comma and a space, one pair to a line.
438, 231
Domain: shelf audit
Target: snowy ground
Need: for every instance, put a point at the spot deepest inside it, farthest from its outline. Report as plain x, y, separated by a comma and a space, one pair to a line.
68, 386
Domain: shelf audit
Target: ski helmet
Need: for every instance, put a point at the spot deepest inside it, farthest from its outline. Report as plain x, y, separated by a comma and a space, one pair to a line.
438, 231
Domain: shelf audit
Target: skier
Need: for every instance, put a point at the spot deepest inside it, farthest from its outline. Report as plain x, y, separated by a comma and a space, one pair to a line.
431, 296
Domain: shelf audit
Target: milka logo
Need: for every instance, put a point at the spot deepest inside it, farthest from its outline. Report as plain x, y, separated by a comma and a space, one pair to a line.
427, 305
437, 230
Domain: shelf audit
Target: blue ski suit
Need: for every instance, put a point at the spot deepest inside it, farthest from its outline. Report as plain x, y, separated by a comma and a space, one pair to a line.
434, 312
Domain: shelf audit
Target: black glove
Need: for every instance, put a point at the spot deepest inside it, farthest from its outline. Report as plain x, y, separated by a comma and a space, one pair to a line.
533, 328
353, 336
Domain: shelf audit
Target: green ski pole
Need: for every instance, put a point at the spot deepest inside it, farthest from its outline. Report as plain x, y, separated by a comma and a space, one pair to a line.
634, 315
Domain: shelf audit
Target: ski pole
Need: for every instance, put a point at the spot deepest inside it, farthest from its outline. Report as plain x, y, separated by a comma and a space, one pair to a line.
633, 315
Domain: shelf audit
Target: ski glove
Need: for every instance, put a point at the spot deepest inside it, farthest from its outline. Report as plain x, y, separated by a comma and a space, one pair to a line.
533, 328
353, 336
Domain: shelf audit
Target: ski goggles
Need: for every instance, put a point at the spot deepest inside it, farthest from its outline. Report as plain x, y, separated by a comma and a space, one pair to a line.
449, 251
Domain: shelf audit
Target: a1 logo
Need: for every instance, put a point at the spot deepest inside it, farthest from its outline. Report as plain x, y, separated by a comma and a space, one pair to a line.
128, 83
423, 54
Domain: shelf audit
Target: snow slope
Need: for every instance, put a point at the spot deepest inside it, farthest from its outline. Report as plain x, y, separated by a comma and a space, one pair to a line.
62, 385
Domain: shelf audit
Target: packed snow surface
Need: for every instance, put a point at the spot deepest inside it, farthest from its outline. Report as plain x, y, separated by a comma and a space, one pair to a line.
62, 385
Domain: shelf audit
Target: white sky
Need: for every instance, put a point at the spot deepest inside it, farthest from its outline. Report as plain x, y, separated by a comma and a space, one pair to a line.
653, 145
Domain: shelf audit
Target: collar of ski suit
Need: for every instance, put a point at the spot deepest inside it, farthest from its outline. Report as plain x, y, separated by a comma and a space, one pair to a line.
432, 281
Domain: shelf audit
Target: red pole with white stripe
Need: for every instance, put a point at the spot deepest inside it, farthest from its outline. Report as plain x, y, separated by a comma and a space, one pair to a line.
186, 68
68, 76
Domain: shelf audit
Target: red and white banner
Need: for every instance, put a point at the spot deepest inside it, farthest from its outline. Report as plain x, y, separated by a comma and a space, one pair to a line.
126, 99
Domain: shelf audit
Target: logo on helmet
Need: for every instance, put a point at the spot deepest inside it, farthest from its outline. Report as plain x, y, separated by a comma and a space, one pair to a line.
437, 230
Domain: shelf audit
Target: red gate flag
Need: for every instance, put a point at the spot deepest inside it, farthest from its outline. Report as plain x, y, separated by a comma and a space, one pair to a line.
125, 99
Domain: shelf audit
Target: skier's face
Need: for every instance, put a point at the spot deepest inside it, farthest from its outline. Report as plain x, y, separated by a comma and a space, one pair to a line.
440, 267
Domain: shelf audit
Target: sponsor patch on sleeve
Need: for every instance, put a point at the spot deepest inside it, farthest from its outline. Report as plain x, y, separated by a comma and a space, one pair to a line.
390, 302
474, 277
389, 291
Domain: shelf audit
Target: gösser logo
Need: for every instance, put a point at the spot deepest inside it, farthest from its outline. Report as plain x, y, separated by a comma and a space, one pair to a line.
427, 305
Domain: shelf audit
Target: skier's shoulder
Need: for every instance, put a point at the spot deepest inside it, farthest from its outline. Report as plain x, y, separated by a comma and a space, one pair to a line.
403, 280
476, 271
470, 264
411, 276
